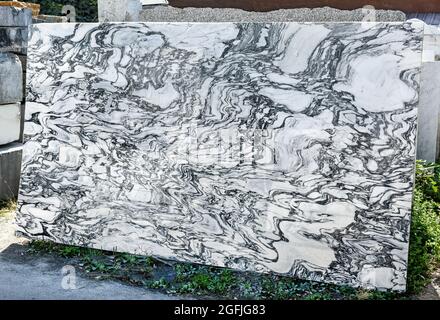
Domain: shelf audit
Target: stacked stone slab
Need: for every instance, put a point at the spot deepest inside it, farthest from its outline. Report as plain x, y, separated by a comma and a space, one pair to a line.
428, 144
14, 33
429, 112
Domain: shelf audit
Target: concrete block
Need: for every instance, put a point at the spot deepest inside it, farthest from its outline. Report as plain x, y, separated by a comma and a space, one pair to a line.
431, 18
10, 168
42, 18
15, 17
431, 44
34, 7
23, 61
14, 39
10, 123
11, 78
119, 10
429, 112
153, 2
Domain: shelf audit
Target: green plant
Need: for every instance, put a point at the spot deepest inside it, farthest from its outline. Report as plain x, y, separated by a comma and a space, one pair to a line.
424, 250
86, 10
7, 207
158, 284
70, 251
428, 180
92, 264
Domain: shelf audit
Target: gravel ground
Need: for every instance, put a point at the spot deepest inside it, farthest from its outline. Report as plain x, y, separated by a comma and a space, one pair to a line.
166, 13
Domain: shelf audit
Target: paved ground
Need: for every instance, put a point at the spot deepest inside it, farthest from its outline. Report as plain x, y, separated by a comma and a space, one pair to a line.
28, 277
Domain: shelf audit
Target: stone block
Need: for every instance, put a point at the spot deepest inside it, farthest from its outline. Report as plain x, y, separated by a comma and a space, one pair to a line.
34, 7
10, 167
431, 44
429, 106
42, 18
14, 39
153, 2
119, 10
23, 60
10, 123
14, 17
11, 78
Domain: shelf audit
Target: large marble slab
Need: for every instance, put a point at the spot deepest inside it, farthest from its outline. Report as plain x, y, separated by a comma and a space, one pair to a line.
279, 147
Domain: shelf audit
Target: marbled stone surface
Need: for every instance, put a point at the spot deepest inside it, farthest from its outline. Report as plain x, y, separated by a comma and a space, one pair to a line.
281, 147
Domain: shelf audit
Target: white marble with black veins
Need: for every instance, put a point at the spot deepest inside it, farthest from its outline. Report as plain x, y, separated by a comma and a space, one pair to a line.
279, 147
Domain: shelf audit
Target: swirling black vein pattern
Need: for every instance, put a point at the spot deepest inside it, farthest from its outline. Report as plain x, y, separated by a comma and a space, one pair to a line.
279, 147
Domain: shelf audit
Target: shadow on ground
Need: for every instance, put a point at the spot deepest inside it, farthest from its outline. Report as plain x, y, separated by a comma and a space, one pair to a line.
29, 277
26, 276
